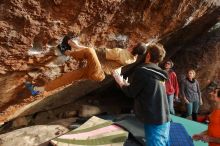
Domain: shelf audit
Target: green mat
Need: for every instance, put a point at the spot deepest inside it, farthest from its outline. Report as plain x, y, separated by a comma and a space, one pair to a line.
94, 132
192, 128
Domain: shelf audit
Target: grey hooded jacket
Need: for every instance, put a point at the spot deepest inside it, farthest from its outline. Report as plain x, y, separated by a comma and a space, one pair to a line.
191, 90
147, 87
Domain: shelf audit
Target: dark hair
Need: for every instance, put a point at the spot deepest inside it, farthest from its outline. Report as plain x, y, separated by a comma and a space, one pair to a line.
63, 46
213, 86
157, 52
139, 49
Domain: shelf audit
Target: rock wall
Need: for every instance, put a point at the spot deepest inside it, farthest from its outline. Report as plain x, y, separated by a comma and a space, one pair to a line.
202, 54
29, 23
30, 29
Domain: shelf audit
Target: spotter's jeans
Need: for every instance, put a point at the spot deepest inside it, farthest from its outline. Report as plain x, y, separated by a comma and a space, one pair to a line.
157, 135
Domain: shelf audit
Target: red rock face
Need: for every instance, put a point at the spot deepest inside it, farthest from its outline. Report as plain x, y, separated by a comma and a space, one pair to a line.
98, 23
111, 23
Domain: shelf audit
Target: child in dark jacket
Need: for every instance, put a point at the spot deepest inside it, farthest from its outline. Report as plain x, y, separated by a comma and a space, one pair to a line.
191, 93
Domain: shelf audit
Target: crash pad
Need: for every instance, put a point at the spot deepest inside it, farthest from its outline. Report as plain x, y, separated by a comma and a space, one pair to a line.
95, 131
178, 134
191, 127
